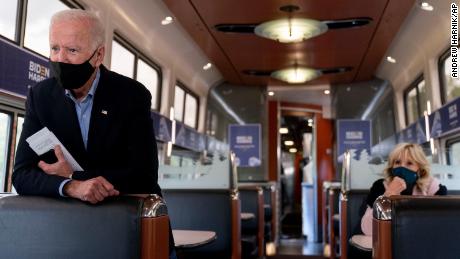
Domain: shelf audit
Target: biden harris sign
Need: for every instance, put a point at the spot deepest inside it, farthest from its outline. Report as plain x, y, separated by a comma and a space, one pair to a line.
353, 134
20, 69
245, 142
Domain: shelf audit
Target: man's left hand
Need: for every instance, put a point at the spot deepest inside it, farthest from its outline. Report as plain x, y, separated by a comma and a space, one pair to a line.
61, 167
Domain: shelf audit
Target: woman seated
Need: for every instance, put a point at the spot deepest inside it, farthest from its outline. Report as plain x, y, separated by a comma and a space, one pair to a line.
407, 173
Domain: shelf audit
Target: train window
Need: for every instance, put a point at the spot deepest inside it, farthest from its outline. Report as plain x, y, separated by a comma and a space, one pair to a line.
5, 123
453, 154
122, 60
130, 62
185, 106
449, 86
415, 100
178, 103
18, 131
38, 17
148, 76
191, 106
8, 14
411, 106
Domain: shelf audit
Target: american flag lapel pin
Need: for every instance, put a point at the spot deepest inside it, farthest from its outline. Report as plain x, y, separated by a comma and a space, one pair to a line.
104, 112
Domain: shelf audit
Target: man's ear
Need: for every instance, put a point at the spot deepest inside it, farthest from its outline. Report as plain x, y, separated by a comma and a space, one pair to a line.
100, 55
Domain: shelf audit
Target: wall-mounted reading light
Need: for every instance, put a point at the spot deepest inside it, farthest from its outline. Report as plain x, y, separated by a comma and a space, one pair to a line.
391, 59
426, 6
207, 66
167, 20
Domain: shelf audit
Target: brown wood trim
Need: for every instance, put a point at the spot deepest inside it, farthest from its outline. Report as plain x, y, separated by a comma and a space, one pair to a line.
381, 239
274, 211
343, 228
260, 235
155, 238
388, 26
331, 221
324, 215
236, 227
273, 121
324, 163
192, 21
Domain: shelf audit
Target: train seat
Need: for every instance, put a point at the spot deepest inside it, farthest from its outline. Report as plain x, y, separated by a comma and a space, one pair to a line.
416, 227
252, 201
352, 207
120, 227
269, 211
207, 210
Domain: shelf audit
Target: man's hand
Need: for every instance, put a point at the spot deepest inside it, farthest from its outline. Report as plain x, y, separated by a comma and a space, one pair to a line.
61, 167
395, 187
93, 190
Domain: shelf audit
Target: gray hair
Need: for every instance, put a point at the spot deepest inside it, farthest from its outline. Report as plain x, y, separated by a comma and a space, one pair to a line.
96, 28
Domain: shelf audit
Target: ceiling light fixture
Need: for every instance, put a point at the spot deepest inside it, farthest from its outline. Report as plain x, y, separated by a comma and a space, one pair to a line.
289, 30
296, 75
207, 66
293, 150
426, 6
284, 130
271, 93
167, 20
288, 143
391, 59
327, 91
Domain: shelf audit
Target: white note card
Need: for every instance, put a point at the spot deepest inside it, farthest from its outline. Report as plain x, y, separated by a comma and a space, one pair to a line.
44, 140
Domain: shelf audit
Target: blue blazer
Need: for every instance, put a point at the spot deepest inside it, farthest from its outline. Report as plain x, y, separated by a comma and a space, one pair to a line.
121, 143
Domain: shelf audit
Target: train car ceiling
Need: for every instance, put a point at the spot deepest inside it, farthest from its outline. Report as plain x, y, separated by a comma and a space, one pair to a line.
361, 48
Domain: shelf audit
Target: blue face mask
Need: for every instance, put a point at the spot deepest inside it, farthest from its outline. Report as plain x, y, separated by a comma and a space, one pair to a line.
409, 176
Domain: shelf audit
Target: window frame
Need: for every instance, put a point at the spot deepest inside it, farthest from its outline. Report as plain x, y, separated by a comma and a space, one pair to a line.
413, 85
20, 23
8, 162
120, 39
17, 24
23, 19
442, 81
449, 143
14, 113
187, 91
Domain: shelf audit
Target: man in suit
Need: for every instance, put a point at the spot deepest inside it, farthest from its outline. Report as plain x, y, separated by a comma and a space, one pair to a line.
102, 118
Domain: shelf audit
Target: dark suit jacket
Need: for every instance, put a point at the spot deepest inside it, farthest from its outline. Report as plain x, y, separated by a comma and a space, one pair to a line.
121, 143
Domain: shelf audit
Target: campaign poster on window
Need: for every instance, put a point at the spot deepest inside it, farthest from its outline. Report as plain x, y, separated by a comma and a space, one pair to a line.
450, 118
162, 127
354, 134
20, 69
245, 142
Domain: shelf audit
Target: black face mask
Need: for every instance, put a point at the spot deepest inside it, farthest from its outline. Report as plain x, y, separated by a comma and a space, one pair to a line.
72, 76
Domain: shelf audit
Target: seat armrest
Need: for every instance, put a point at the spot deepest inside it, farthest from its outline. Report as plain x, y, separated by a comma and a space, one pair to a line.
154, 229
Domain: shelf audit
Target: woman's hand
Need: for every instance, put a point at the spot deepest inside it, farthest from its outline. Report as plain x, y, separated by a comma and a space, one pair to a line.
395, 187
